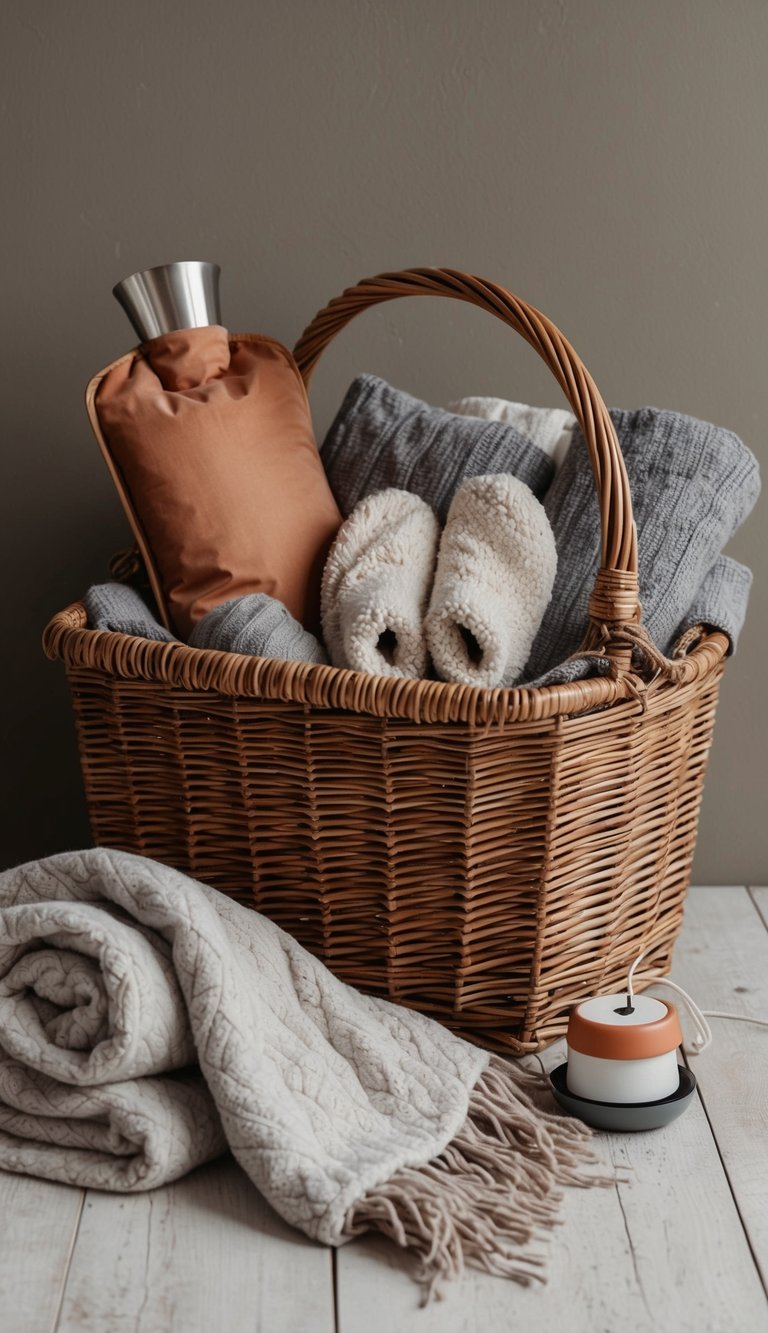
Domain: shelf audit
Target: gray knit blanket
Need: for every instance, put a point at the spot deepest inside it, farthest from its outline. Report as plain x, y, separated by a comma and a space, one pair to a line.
147, 1022
382, 437
693, 485
255, 624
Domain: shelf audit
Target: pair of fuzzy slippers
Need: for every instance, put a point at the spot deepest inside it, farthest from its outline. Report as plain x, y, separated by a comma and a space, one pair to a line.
396, 592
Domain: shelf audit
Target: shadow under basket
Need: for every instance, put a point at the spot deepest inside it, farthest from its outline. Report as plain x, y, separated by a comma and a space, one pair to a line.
487, 856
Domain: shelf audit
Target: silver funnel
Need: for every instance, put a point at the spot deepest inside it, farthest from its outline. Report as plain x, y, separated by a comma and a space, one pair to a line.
173, 296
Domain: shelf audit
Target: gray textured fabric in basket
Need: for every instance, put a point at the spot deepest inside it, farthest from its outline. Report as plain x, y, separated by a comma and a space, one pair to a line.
720, 603
692, 486
382, 437
254, 624
119, 608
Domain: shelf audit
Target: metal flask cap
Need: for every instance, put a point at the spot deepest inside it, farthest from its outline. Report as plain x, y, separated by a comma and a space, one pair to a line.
159, 300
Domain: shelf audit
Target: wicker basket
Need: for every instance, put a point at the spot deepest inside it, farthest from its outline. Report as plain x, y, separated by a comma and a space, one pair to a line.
488, 856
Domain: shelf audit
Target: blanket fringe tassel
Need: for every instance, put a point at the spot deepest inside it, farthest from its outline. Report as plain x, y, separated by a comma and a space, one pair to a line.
484, 1201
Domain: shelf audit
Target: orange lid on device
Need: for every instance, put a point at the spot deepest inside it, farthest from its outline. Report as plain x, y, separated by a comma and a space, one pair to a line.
612, 1027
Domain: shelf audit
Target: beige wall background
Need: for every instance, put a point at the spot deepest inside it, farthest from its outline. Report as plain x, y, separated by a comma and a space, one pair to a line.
605, 159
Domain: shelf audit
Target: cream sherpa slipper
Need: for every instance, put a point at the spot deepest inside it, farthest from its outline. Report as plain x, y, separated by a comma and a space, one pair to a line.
495, 570
376, 585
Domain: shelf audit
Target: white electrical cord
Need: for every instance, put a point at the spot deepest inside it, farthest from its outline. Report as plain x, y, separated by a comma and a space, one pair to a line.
703, 1035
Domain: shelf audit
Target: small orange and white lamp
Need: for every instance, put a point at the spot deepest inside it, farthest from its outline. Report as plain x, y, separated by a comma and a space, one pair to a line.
622, 1070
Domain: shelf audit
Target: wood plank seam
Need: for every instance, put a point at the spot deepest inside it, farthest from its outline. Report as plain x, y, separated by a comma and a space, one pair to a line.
633, 1253
752, 891
731, 1189
68, 1266
335, 1289
702, 1098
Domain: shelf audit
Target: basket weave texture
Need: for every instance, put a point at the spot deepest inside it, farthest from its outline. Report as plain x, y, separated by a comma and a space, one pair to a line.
487, 856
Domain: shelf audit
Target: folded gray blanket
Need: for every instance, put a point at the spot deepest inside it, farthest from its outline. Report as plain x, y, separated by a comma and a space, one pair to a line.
347, 1112
119, 608
382, 438
254, 624
692, 486
721, 602
258, 625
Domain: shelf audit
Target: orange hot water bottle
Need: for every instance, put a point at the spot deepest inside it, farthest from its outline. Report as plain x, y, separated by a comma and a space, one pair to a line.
209, 441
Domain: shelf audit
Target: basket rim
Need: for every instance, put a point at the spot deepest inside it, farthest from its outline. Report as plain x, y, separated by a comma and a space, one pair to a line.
67, 638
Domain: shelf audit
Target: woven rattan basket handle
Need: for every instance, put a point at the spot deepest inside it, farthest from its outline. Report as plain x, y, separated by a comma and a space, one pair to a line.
614, 601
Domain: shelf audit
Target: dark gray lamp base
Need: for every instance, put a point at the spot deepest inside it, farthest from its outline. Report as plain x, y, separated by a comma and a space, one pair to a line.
630, 1116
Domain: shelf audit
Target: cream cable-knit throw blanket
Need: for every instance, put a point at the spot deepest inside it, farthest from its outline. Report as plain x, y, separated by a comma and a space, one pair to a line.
346, 1111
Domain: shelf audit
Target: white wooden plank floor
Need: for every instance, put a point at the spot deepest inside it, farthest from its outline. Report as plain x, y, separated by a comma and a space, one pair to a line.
682, 1246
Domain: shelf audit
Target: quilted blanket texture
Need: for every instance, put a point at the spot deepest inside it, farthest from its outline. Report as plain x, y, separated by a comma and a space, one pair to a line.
147, 1022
